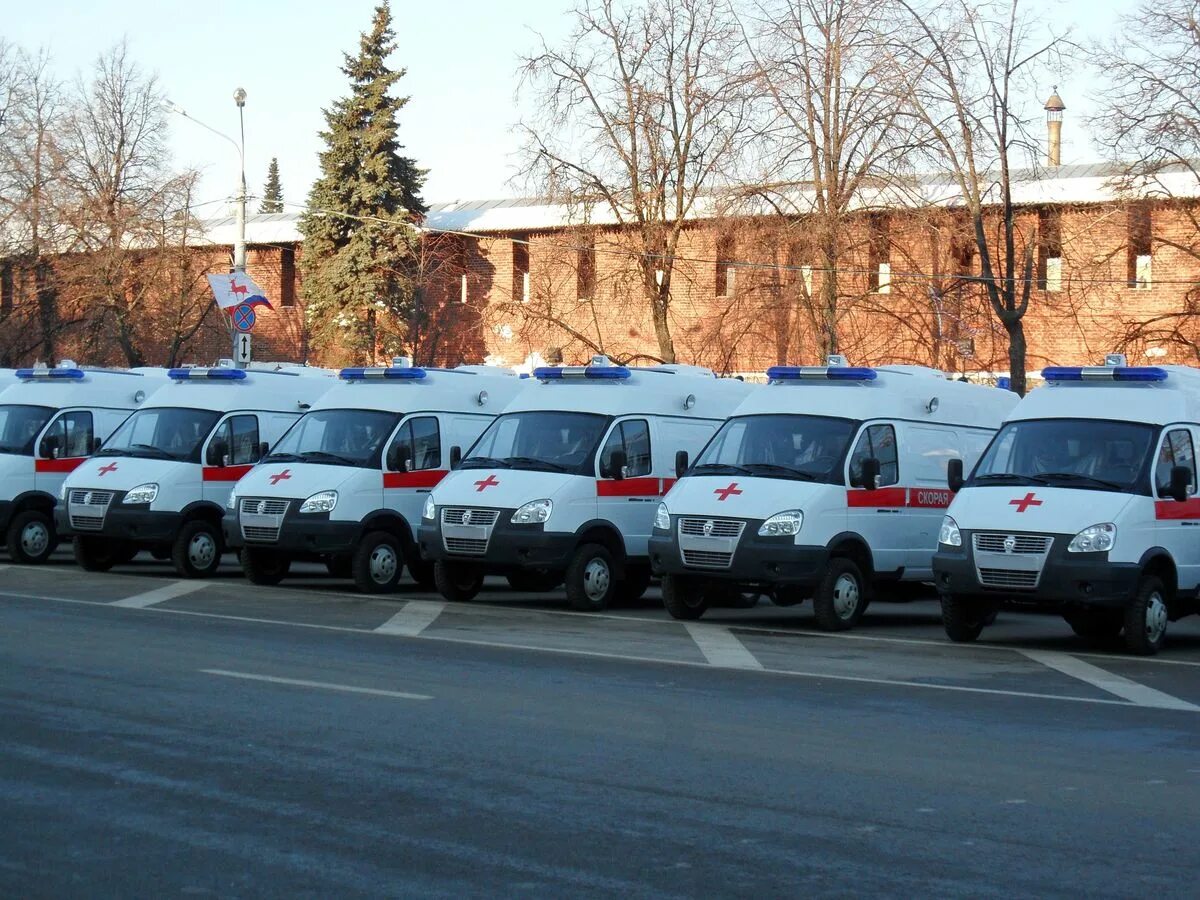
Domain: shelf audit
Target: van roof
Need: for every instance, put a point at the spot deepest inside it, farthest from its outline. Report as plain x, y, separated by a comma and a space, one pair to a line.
668, 390
222, 389
1174, 397
72, 386
896, 392
485, 389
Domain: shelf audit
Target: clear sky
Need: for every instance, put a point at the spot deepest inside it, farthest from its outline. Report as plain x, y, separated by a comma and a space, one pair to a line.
461, 56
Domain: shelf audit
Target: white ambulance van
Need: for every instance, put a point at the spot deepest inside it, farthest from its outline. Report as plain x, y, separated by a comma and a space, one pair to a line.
347, 483
563, 486
161, 482
829, 483
1084, 505
51, 420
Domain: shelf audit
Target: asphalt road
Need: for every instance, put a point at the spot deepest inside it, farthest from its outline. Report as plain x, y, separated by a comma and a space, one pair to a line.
160, 738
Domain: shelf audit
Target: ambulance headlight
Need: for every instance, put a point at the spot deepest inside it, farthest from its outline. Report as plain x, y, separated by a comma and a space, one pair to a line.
950, 535
533, 513
62, 491
429, 510
143, 493
1094, 539
662, 518
321, 502
231, 503
783, 524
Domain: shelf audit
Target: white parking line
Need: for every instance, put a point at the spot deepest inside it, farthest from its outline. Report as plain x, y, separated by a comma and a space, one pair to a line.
720, 647
416, 616
1107, 681
323, 685
160, 595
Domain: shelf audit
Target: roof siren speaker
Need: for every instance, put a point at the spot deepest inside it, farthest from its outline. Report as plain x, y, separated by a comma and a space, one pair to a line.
836, 360
1115, 359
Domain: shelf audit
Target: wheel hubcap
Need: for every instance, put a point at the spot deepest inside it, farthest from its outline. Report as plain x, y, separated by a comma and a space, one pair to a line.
383, 564
35, 538
596, 579
202, 551
845, 596
1156, 617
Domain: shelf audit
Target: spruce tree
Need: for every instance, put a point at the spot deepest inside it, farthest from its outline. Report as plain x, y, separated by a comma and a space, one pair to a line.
272, 201
360, 249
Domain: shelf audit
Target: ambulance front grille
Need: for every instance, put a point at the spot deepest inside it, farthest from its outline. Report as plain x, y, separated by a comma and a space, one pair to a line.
466, 546
712, 527
86, 509
1022, 543
452, 515
706, 559
259, 534
1009, 578
264, 506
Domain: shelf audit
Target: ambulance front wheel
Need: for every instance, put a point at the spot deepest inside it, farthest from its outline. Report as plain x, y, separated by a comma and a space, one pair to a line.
964, 620
684, 597
841, 596
635, 584
1146, 617
589, 579
263, 566
1095, 624
457, 582
420, 571
95, 554
31, 537
377, 563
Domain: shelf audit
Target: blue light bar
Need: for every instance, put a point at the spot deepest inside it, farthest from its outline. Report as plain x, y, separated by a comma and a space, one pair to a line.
1104, 373
221, 374
556, 373
392, 373
73, 374
821, 373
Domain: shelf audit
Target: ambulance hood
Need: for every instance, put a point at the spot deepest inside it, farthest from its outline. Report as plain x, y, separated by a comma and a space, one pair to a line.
296, 480
1047, 510
501, 488
124, 472
745, 497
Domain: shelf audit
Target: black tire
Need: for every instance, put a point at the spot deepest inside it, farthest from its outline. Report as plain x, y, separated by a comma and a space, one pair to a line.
196, 550
421, 571
590, 580
963, 620
127, 554
457, 582
161, 553
31, 537
1095, 624
840, 597
1146, 617
378, 563
788, 595
534, 581
95, 554
684, 597
633, 586
263, 566
339, 566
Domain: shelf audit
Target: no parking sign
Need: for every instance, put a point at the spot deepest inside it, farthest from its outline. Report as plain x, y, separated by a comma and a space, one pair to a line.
243, 318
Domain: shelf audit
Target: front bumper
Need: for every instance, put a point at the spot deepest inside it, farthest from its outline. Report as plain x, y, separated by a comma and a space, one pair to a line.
756, 560
1066, 579
311, 533
509, 547
136, 524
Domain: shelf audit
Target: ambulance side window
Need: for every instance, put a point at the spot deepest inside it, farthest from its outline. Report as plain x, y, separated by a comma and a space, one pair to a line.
878, 441
633, 437
243, 443
1176, 450
423, 440
69, 436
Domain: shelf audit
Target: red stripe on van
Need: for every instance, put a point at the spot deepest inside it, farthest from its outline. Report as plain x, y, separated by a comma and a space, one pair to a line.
58, 465
630, 487
225, 473
424, 478
1174, 509
889, 496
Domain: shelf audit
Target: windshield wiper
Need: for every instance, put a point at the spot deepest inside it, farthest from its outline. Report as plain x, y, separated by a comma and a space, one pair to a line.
791, 471
529, 462
720, 468
321, 454
282, 457
9, 448
1002, 476
484, 462
1075, 476
156, 452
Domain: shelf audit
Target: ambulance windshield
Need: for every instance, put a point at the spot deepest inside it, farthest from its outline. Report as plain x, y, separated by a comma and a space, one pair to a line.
799, 448
540, 441
162, 432
20, 426
1086, 453
337, 437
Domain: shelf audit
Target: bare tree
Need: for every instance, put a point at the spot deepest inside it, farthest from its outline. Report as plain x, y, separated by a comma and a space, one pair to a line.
970, 69
641, 111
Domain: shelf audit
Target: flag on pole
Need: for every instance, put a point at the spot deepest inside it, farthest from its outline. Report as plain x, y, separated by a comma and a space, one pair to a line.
236, 289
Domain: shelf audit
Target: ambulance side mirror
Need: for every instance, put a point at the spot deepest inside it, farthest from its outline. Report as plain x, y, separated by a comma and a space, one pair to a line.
954, 474
617, 463
96, 445
398, 458
264, 450
455, 457
1181, 480
216, 453
869, 478
681, 463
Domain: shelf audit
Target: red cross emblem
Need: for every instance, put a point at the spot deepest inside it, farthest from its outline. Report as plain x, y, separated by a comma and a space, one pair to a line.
724, 493
104, 470
1024, 503
281, 476
490, 481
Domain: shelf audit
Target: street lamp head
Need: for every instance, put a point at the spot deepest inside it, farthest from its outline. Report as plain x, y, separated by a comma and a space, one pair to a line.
239, 97
174, 107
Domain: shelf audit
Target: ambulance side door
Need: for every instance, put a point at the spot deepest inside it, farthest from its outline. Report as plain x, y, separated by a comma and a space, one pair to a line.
628, 502
928, 450
64, 443
1177, 524
231, 450
877, 514
422, 450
